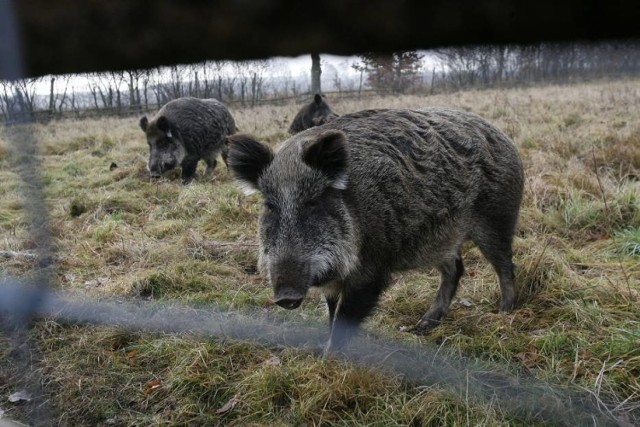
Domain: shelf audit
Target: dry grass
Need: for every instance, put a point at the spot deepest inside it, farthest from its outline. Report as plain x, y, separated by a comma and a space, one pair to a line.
120, 234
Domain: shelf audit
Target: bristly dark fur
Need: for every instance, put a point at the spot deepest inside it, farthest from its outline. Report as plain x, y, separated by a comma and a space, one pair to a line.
185, 131
316, 113
417, 184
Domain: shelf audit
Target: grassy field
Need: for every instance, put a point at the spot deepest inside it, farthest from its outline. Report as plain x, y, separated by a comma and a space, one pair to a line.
120, 235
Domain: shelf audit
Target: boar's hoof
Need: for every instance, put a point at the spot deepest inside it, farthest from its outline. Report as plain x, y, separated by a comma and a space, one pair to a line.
423, 327
289, 303
507, 306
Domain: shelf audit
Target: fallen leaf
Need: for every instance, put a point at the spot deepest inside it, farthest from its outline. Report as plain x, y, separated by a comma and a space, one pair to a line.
20, 395
96, 282
152, 385
227, 407
526, 312
466, 302
597, 235
68, 278
273, 361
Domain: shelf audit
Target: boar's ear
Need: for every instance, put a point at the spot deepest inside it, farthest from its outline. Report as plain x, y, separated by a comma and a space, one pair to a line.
317, 99
329, 154
247, 158
144, 122
164, 125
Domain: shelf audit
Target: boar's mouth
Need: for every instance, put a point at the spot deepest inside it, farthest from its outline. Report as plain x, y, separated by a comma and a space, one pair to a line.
289, 303
289, 297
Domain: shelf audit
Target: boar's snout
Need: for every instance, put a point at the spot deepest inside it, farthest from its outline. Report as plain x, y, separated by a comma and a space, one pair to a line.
290, 283
289, 303
156, 169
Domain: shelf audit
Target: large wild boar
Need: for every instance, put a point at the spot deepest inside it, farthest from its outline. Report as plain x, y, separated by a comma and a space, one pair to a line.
184, 131
348, 203
316, 113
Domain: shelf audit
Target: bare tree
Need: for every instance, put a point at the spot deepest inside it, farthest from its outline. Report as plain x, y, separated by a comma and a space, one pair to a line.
132, 79
360, 68
6, 97
19, 98
316, 72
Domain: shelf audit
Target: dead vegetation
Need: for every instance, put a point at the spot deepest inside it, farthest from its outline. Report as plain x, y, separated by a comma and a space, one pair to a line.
118, 234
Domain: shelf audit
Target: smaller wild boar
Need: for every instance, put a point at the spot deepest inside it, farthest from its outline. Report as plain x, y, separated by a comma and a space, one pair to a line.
348, 203
184, 131
316, 113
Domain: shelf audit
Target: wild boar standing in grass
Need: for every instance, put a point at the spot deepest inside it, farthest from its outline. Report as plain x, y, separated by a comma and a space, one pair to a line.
316, 113
348, 203
184, 131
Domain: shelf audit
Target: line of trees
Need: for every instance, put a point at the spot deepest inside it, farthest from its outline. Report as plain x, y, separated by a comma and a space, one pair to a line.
132, 91
506, 65
487, 66
250, 82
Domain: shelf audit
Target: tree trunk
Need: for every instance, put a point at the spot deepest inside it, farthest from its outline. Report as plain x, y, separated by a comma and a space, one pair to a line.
316, 71
52, 102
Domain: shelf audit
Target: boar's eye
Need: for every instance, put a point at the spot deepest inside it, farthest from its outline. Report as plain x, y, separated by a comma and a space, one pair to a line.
270, 206
311, 204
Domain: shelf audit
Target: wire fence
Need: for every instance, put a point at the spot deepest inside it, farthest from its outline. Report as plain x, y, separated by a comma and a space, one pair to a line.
422, 365
21, 115
27, 299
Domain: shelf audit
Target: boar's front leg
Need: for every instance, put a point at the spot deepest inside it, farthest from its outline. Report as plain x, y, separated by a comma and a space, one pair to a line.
211, 160
346, 314
332, 304
189, 167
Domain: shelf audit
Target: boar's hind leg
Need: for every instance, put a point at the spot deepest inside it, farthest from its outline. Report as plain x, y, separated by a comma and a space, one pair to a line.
495, 245
450, 272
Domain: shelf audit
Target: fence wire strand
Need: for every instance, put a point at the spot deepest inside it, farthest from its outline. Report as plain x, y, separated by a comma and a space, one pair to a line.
420, 365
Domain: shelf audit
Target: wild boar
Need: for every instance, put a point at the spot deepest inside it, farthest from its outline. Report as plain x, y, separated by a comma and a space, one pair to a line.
184, 131
348, 203
316, 113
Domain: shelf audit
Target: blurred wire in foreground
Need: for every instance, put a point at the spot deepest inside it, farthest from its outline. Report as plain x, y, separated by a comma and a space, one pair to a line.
15, 322
472, 380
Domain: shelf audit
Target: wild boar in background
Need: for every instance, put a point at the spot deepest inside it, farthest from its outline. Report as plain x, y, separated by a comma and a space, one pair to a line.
316, 113
184, 131
349, 202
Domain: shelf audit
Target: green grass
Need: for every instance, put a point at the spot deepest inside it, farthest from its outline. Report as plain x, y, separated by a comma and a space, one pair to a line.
121, 235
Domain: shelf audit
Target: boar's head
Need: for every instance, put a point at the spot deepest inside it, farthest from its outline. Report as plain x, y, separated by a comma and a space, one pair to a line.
307, 234
317, 113
166, 151
320, 111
